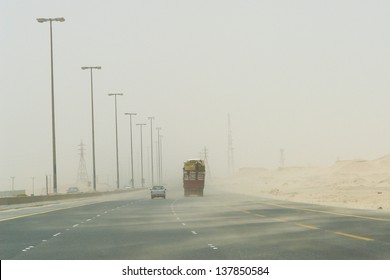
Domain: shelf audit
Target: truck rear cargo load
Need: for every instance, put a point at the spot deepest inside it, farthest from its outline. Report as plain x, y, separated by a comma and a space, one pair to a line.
193, 177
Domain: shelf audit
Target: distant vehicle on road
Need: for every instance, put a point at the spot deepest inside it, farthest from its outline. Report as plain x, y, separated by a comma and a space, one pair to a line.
158, 191
73, 190
193, 177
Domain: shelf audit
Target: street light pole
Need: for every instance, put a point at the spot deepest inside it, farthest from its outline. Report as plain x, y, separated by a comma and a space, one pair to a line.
116, 133
33, 178
161, 158
41, 20
47, 185
131, 147
93, 124
142, 158
158, 155
151, 145
13, 181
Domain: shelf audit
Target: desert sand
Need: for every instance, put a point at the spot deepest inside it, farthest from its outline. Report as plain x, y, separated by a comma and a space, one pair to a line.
361, 184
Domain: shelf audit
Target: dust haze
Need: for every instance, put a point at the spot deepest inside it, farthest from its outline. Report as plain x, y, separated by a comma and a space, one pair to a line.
308, 77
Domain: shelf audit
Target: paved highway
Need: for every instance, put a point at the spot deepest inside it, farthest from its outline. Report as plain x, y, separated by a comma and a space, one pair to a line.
216, 226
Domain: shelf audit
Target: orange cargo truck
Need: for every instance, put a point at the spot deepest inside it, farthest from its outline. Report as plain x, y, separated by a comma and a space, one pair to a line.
193, 177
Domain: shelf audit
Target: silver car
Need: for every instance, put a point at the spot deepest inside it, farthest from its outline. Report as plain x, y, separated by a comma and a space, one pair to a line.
73, 190
157, 191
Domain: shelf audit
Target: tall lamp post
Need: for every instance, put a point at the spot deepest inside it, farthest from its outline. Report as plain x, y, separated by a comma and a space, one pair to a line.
93, 124
13, 182
158, 156
116, 133
151, 145
142, 158
41, 20
131, 147
33, 179
161, 159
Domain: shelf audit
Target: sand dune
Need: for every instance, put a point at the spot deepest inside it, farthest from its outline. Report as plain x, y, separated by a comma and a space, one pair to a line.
363, 184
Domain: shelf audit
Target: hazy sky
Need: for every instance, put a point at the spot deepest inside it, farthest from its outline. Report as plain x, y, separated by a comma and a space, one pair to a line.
311, 77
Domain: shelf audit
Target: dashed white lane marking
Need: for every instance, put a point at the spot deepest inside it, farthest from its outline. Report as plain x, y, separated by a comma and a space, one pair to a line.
178, 218
194, 232
88, 220
183, 224
212, 246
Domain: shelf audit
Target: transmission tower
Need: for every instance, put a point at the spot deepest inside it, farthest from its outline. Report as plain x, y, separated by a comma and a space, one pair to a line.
230, 150
205, 158
82, 174
281, 158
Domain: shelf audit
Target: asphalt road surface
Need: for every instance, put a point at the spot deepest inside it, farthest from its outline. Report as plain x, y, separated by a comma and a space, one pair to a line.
219, 226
